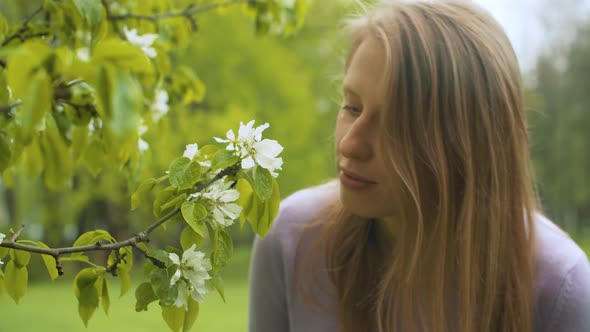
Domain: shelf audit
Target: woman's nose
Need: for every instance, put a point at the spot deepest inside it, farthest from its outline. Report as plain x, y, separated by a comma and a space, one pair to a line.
357, 140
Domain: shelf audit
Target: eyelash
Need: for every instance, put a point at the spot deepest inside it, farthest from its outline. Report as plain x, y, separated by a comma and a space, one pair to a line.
352, 110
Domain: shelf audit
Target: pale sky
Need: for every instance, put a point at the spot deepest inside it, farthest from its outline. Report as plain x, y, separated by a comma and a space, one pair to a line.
531, 23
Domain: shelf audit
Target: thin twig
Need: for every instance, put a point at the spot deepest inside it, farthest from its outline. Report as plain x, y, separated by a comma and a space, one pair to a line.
23, 28
7, 109
16, 234
154, 260
107, 9
188, 12
112, 269
99, 246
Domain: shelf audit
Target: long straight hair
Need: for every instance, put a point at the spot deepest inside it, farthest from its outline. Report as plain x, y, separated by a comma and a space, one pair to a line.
455, 134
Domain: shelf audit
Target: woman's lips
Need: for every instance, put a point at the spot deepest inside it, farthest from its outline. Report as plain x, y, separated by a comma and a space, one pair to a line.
353, 181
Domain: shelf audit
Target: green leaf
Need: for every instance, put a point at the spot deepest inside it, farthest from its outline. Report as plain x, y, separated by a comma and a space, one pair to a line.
190, 315
246, 199
127, 262
143, 247
262, 183
206, 152
144, 189
33, 157
180, 318
5, 153
90, 10
148, 268
92, 237
3, 252
125, 281
217, 283
79, 141
25, 64
87, 293
20, 257
122, 55
36, 104
49, 262
193, 213
188, 237
144, 294
161, 198
262, 214
76, 257
56, 154
175, 202
184, 173
222, 249
93, 156
15, 281
174, 317
223, 159
160, 281
106, 301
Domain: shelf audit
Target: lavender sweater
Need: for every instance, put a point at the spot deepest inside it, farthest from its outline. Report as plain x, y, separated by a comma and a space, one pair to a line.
562, 286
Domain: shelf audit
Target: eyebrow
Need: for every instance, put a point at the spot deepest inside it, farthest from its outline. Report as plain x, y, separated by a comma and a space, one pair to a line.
347, 89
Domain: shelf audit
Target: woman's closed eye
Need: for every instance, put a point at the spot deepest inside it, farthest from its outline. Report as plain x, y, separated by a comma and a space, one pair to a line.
356, 111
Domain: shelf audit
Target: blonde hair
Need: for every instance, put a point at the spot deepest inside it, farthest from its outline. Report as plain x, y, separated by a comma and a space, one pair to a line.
456, 137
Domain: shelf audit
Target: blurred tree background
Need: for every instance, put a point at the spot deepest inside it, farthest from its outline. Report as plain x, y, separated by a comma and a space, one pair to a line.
294, 85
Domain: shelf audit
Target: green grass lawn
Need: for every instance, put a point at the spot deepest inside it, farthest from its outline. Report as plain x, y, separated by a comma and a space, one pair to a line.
52, 307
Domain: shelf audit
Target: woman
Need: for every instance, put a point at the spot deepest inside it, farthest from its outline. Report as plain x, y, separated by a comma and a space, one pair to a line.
432, 224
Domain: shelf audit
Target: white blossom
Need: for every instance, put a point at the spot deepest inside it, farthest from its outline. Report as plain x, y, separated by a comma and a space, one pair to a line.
94, 125
193, 270
142, 41
160, 106
83, 53
2, 236
287, 3
190, 151
142, 145
252, 149
221, 199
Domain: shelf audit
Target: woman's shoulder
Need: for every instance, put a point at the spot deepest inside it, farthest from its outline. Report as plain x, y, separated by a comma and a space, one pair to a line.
563, 279
556, 252
299, 209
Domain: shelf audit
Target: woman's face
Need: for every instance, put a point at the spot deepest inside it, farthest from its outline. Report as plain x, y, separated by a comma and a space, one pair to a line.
367, 188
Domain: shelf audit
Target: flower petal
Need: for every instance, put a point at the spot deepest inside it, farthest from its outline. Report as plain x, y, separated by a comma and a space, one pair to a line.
258, 131
268, 147
175, 277
231, 210
218, 216
229, 196
190, 151
181, 300
248, 163
174, 258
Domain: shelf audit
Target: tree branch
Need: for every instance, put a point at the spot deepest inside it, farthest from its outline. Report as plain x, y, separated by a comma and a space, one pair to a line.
107, 9
187, 13
23, 28
99, 246
112, 269
154, 261
16, 234
7, 109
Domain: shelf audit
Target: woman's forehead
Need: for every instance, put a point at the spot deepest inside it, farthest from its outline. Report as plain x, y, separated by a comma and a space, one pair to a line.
366, 74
